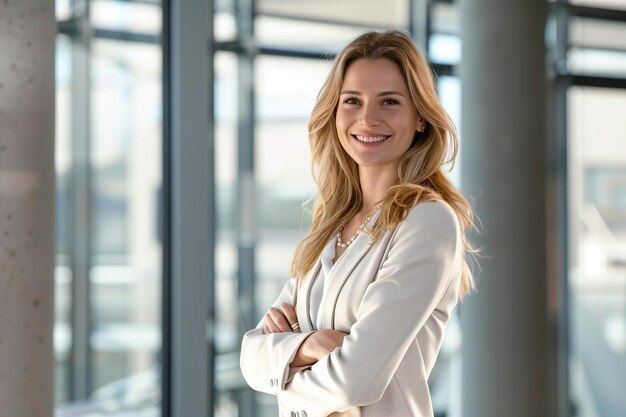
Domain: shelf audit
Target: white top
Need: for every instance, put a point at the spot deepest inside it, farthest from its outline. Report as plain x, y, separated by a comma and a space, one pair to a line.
320, 283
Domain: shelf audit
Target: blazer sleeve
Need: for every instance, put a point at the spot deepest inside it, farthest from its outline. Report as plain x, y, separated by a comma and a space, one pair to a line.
410, 284
265, 359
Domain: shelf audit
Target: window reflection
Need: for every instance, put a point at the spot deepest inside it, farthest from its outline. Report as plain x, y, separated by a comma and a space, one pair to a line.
285, 95
63, 272
125, 275
597, 274
124, 257
134, 16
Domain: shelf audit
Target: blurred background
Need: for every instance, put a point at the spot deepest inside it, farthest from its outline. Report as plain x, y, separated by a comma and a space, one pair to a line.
266, 61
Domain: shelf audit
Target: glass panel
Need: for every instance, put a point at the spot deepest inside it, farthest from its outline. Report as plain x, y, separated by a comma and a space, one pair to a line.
445, 18
286, 92
225, 65
445, 43
143, 17
63, 272
276, 32
444, 381
597, 62
224, 27
449, 91
228, 325
597, 253
63, 9
444, 49
597, 34
126, 261
390, 13
606, 4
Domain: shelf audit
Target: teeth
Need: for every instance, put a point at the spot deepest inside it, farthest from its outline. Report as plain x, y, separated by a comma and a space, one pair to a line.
370, 139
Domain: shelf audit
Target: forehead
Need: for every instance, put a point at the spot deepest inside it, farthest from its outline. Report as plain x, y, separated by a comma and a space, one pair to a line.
374, 74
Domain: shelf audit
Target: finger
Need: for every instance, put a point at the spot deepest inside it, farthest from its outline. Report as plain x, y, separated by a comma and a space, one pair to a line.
291, 317
271, 326
279, 320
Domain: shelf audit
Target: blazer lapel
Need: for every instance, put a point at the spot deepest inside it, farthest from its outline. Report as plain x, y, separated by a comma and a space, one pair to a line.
303, 308
340, 273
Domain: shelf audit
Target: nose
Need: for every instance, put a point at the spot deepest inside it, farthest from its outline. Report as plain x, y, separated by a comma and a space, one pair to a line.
370, 115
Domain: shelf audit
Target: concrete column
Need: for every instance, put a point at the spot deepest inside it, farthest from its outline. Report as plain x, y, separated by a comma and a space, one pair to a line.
504, 173
27, 43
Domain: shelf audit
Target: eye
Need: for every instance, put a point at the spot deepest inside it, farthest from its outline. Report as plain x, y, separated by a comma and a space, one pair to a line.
352, 100
390, 101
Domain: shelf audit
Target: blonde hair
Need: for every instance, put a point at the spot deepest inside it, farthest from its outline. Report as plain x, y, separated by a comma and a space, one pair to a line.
420, 170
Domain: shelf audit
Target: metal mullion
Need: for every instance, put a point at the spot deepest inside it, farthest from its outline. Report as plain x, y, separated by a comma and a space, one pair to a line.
335, 22
192, 209
72, 28
81, 220
166, 214
596, 81
420, 23
122, 35
558, 171
614, 15
246, 224
211, 327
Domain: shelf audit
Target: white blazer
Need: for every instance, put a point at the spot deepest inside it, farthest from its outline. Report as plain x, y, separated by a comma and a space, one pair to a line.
395, 298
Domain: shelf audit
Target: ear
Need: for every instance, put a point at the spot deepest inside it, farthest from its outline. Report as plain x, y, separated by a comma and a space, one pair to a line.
420, 123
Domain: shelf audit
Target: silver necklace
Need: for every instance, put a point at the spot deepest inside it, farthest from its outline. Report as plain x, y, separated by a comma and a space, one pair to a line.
340, 241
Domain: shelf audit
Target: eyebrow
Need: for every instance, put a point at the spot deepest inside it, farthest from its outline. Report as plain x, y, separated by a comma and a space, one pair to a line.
382, 93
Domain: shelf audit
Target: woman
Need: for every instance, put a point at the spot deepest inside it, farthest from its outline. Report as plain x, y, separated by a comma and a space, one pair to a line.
356, 330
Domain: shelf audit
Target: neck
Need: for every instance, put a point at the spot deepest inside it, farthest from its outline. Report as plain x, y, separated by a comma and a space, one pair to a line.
375, 182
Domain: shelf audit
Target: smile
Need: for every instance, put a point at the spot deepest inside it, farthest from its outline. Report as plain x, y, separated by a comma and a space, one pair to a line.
370, 139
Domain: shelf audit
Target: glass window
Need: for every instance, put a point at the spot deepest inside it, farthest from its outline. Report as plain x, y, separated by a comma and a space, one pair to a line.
224, 27
444, 48
285, 95
125, 271
227, 312
224, 21
132, 16
449, 91
599, 62
605, 4
597, 252
63, 272
122, 233
445, 376
444, 42
597, 33
63, 9
391, 13
283, 33
598, 47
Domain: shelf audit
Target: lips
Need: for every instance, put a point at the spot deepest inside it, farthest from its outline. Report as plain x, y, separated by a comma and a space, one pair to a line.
370, 139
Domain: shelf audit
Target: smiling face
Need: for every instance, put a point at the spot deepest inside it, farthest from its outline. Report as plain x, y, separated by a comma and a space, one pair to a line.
376, 119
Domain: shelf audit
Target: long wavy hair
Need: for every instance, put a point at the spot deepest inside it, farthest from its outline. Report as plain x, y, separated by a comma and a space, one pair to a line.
420, 169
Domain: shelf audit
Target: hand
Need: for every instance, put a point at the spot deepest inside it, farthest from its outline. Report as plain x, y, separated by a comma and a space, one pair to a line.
318, 345
281, 320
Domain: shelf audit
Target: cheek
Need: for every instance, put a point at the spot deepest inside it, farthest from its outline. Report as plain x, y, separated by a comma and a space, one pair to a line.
341, 124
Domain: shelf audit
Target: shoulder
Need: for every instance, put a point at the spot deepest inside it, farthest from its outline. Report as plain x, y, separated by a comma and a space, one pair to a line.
434, 216
430, 226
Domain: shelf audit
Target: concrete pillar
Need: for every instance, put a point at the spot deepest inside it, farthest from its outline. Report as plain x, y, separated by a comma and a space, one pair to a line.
505, 366
27, 42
